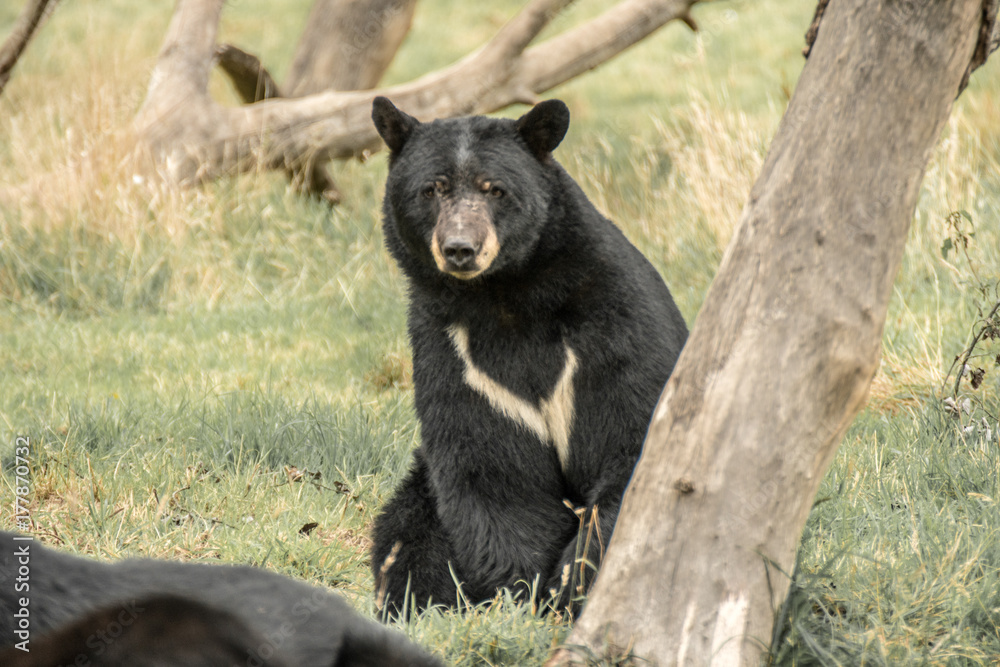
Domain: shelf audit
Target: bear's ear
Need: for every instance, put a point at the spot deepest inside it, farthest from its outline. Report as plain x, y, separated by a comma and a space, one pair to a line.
544, 126
394, 126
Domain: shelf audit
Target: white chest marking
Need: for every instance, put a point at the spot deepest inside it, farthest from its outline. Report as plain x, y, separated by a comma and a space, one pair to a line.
551, 421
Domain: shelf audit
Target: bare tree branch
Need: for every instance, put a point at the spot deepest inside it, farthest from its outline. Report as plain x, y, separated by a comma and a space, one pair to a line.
252, 81
24, 29
189, 140
583, 48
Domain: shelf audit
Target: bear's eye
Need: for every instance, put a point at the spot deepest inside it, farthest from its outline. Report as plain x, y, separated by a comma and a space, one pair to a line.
428, 192
496, 192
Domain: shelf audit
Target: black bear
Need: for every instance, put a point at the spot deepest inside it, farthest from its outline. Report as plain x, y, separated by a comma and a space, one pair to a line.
541, 342
54, 604
162, 631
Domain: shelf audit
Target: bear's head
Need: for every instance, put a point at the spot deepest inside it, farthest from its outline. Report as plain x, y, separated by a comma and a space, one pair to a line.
468, 197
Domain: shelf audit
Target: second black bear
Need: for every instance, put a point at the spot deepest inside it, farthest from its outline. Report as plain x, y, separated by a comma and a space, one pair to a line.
61, 609
541, 342
161, 631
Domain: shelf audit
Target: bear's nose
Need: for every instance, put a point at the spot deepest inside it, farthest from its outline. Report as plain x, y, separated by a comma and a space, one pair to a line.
459, 252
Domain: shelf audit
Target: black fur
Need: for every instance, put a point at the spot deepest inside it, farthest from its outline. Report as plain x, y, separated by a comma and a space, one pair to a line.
163, 631
266, 618
483, 502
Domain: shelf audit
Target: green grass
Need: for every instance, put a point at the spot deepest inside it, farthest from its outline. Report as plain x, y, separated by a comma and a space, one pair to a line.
203, 373
901, 563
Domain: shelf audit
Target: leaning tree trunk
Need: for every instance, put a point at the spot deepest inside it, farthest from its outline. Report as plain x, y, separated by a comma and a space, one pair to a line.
782, 354
348, 45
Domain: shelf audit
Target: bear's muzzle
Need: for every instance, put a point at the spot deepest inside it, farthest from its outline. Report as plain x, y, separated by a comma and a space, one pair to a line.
464, 243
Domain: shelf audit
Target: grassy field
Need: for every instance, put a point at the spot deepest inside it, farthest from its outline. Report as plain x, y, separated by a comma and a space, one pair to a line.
203, 373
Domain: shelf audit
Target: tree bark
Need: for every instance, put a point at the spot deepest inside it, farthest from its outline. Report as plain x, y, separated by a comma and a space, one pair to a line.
248, 75
27, 23
348, 45
187, 137
784, 349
